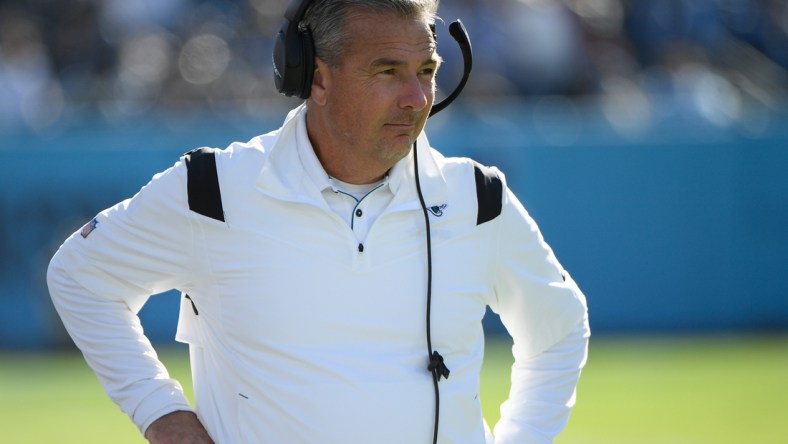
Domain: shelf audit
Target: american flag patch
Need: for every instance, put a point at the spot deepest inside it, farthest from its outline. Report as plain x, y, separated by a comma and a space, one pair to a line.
88, 228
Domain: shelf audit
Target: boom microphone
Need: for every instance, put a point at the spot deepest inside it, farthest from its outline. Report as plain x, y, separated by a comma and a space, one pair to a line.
457, 30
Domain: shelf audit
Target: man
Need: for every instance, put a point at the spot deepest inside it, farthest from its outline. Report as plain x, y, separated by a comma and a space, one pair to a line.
304, 302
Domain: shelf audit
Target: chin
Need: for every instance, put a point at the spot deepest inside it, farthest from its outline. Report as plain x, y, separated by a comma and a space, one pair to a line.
397, 151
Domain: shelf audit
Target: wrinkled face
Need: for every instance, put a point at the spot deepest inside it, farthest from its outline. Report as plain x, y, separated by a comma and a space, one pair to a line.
381, 92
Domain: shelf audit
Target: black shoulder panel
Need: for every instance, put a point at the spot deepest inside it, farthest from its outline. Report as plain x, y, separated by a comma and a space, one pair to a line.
202, 183
489, 193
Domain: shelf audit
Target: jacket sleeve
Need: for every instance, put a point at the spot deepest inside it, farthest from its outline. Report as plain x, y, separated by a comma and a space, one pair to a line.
545, 313
103, 274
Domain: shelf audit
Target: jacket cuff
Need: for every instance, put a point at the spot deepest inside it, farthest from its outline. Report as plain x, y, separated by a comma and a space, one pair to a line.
164, 400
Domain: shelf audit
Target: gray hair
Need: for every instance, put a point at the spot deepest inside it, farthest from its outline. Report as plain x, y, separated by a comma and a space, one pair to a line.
326, 19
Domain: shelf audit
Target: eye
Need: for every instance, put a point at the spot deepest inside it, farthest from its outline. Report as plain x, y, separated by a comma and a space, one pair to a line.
430, 71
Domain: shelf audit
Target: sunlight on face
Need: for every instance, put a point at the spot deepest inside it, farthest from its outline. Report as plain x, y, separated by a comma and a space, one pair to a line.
381, 92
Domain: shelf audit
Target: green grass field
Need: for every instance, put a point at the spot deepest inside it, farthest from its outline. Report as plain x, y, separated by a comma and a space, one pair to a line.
660, 390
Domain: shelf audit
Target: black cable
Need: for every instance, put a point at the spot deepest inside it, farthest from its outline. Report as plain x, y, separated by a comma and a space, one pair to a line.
436, 365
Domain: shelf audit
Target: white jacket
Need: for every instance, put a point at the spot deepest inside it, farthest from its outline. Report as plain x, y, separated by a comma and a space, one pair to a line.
297, 336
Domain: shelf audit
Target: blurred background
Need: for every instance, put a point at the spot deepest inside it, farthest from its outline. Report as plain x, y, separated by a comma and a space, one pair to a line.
648, 138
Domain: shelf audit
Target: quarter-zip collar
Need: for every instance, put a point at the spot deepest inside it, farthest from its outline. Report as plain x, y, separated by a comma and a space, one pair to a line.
402, 179
283, 176
293, 172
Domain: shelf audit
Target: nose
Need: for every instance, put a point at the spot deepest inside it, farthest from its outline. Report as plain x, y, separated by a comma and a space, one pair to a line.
416, 94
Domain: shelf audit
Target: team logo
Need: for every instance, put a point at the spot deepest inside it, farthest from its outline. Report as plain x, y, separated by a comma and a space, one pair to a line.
88, 228
437, 210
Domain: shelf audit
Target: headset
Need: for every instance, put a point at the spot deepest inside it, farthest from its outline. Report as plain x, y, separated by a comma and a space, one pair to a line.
294, 53
294, 56
294, 67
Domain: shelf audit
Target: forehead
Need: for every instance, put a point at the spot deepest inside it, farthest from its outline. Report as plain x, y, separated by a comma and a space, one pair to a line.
375, 35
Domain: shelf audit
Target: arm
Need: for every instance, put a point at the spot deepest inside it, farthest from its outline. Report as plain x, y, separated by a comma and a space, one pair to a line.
110, 337
98, 283
543, 391
545, 312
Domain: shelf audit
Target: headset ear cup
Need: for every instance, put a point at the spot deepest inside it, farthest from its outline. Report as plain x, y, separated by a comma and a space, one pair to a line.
280, 62
308, 54
294, 61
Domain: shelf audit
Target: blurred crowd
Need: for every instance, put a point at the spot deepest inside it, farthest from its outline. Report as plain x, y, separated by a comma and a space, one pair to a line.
126, 57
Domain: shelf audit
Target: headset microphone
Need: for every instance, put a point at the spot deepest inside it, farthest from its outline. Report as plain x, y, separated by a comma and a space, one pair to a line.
294, 56
457, 30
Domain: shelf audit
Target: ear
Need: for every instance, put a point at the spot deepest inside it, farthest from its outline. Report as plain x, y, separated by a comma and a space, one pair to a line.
321, 82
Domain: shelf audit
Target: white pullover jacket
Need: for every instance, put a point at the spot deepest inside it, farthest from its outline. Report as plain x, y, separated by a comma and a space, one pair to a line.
304, 331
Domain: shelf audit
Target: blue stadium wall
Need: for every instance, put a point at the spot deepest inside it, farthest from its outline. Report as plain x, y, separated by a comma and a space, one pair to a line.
681, 226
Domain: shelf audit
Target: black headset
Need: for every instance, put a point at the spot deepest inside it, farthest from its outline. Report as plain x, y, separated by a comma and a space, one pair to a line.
294, 56
294, 53
294, 68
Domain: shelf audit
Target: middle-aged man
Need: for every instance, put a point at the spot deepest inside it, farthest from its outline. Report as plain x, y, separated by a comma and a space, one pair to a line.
306, 265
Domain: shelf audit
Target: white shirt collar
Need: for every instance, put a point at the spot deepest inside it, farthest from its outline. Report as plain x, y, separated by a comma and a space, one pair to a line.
312, 166
278, 177
306, 153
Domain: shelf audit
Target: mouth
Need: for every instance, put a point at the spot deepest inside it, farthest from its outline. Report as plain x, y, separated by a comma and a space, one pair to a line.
402, 130
407, 125
404, 120
403, 126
